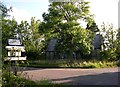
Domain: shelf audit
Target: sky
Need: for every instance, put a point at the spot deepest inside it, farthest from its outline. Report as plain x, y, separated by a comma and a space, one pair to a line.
104, 10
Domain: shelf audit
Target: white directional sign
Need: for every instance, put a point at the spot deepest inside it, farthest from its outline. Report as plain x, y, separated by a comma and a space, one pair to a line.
15, 50
22, 48
14, 42
15, 58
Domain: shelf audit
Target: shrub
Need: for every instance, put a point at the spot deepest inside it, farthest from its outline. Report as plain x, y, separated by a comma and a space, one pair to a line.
10, 80
109, 55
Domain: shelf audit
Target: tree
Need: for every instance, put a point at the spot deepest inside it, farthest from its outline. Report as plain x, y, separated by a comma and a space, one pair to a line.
32, 40
3, 13
110, 42
118, 43
62, 23
8, 27
3, 9
109, 34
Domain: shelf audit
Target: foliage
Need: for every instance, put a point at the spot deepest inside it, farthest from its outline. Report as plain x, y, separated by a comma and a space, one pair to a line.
8, 27
12, 80
118, 44
3, 9
110, 42
8, 78
75, 64
21, 79
62, 23
109, 54
28, 33
32, 40
18, 81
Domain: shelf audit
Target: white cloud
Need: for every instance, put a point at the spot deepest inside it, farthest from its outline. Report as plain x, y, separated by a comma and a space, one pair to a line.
20, 14
105, 11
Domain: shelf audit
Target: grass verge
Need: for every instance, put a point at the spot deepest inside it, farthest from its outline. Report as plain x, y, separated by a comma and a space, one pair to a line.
10, 80
73, 64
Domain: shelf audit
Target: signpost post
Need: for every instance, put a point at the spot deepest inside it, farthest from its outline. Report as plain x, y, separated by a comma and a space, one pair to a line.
15, 51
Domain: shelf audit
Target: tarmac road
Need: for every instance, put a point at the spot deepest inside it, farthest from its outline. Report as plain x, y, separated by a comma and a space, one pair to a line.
104, 76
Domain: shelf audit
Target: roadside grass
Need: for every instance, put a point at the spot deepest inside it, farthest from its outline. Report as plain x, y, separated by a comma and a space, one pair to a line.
10, 80
22, 82
74, 64
42, 83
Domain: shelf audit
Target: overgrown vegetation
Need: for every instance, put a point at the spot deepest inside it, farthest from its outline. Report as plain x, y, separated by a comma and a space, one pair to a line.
21, 79
10, 80
75, 64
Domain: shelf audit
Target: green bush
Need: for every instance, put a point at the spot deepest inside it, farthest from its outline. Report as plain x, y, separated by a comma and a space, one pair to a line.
109, 55
10, 80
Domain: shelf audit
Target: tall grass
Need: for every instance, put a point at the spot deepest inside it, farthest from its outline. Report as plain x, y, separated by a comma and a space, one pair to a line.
11, 80
74, 64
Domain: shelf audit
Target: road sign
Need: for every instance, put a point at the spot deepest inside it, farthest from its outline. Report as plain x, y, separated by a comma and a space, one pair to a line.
15, 58
22, 48
15, 50
14, 42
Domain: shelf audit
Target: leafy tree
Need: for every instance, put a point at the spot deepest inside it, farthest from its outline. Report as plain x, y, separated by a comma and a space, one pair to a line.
61, 22
37, 37
32, 40
118, 43
3, 12
109, 34
8, 27
3, 9
110, 42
